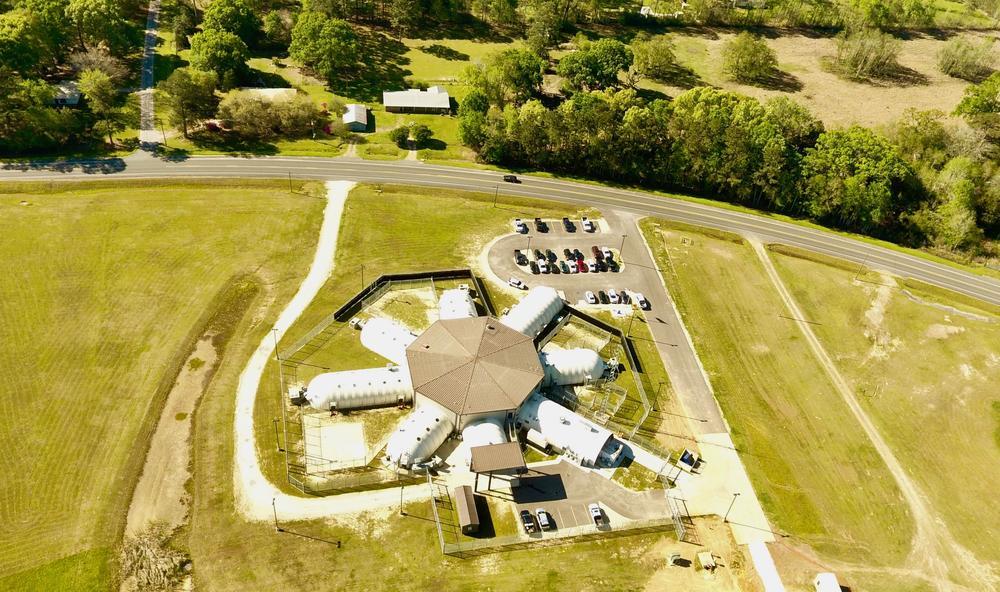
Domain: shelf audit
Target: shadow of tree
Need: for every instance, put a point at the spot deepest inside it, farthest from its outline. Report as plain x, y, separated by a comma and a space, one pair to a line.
463, 26
262, 79
232, 143
683, 77
780, 80
165, 64
445, 53
382, 70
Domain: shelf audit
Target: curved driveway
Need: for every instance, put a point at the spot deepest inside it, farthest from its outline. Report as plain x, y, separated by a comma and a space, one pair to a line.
766, 229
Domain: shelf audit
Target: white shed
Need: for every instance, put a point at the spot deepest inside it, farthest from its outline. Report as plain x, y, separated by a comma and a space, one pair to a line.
356, 117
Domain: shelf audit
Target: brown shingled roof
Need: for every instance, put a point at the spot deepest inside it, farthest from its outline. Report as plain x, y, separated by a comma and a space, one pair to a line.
474, 365
496, 457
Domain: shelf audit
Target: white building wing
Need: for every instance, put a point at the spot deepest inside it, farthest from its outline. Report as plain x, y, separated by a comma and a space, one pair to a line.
351, 389
564, 367
387, 338
566, 432
419, 436
456, 304
529, 316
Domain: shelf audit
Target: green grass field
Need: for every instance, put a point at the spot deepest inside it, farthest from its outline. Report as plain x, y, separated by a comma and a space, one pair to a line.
104, 291
927, 375
814, 471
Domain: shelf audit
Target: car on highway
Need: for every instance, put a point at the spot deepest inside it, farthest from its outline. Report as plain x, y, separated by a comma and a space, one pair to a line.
596, 514
520, 226
516, 283
511, 179
543, 266
588, 225
589, 297
544, 520
603, 297
534, 267
527, 521
540, 225
641, 300
613, 296
568, 225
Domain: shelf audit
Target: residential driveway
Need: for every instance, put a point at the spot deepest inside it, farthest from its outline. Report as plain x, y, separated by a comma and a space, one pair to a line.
565, 490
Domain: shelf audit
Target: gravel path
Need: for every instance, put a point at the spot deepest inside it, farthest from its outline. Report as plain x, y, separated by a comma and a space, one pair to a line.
254, 493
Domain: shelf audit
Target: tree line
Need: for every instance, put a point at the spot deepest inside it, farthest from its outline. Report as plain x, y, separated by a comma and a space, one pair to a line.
920, 182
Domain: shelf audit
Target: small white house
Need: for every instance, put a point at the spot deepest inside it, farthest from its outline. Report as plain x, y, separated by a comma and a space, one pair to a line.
826, 582
66, 94
356, 118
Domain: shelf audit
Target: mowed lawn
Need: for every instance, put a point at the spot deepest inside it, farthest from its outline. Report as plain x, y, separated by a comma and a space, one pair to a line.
928, 376
103, 290
391, 229
816, 474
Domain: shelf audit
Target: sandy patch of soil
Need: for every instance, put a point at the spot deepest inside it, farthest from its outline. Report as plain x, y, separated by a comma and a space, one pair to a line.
735, 571
159, 496
883, 343
939, 331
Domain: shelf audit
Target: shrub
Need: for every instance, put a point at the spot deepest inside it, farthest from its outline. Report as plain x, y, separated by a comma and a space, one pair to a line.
747, 58
867, 53
965, 59
654, 57
400, 135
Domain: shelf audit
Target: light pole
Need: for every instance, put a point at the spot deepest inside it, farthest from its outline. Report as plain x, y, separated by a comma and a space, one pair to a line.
362, 276
495, 195
621, 249
528, 249
275, 509
726, 517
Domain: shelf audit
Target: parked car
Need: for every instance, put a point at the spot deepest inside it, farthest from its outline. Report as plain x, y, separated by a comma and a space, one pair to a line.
568, 225
601, 265
581, 266
511, 179
565, 267
550, 256
538, 254
597, 253
626, 299
554, 268
588, 226
543, 266
544, 520
596, 513
516, 283
641, 301
520, 226
591, 299
519, 257
540, 225
534, 267
613, 265
573, 268
568, 254
603, 297
613, 296
592, 266
578, 254
607, 253
527, 521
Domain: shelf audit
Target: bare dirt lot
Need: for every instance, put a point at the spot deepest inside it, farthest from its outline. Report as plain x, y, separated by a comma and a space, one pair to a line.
836, 101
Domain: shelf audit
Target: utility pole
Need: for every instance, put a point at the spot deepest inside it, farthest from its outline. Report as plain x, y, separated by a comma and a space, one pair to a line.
275, 510
726, 517
621, 250
495, 195
290, 182
528, 254
362, 276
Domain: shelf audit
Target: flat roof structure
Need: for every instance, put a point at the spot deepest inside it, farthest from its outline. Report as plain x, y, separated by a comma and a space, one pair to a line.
474, 366
494, 458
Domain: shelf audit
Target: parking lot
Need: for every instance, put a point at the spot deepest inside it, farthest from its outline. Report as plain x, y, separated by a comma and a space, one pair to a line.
572, 285
565, 490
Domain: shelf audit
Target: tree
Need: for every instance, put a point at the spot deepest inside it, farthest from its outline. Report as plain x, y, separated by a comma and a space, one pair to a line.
276, 29
249, 115
867, 53
747, 58
980, 105
298, 116
325, 45
795, 123
190, 95
654, 58
400, 135
965, 59
508, 76
405, 15
854, 177
99, 21
421, 134
543, 32
102, 98
50, 18
596, 65
221, 52
99, 58
27, 121
21, 46
498, 12
234, 16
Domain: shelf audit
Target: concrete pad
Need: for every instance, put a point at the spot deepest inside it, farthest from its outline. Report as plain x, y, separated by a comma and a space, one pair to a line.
764, 565
332, 446
711, 490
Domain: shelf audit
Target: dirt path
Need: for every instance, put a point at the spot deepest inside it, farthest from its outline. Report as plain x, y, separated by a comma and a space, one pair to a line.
160, 496
254, 493
934, 549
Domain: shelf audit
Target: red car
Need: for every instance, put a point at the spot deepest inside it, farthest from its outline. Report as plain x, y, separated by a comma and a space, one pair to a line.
581, 266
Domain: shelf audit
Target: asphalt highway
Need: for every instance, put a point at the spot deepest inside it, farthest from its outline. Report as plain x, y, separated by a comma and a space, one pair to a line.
144, 165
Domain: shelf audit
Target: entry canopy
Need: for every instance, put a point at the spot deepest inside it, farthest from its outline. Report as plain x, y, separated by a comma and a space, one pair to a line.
475, 365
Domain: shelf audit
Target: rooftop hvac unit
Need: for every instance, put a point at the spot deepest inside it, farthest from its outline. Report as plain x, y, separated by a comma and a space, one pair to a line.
356, 323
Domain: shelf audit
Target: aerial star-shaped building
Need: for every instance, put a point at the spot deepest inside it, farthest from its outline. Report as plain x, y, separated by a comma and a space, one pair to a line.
478, 376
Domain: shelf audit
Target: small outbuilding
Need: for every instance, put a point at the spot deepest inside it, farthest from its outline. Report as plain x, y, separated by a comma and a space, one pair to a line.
826, 582
356, 118
433, 100
498, 459
465, 507
67, 94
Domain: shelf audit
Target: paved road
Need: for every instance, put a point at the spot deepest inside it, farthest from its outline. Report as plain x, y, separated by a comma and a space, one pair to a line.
147, 119
144, 165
